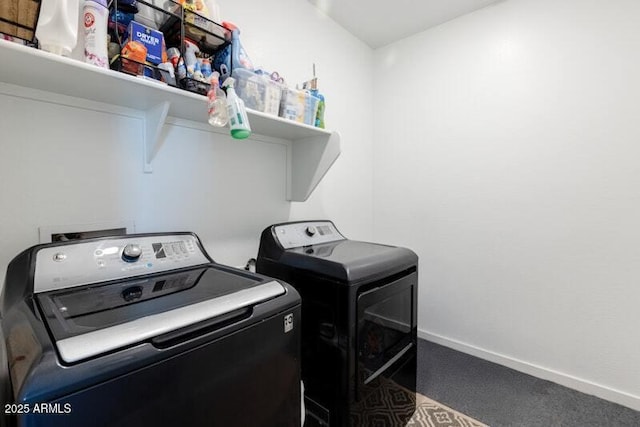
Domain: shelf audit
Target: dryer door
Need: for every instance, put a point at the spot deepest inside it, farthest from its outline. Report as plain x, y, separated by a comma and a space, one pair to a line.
386, 333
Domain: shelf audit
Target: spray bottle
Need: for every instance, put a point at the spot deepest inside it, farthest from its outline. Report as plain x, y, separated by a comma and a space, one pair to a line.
238, 120
217, 102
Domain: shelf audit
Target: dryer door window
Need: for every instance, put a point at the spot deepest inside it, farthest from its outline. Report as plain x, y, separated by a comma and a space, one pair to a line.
385, 324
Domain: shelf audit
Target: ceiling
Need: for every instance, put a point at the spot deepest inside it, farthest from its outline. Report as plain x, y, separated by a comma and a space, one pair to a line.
378, 23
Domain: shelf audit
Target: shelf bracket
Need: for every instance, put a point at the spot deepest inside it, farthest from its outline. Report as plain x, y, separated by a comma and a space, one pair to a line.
309, 161
154, 119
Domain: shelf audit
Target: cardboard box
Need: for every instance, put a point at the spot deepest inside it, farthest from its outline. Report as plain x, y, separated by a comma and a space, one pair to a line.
22, 12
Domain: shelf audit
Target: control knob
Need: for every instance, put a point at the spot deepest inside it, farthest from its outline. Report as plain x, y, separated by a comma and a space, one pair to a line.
311, 231
131, 252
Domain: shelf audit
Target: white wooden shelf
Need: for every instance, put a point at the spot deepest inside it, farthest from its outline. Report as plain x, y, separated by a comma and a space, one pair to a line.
313, 150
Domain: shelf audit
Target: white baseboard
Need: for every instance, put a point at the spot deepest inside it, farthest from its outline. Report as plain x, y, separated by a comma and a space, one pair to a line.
584, 386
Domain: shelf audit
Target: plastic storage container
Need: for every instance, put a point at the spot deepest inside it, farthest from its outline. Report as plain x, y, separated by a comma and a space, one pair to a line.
299, 106
258, 92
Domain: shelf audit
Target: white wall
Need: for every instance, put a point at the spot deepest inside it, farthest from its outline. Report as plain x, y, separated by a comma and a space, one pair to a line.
292, 36
507, 147
68, 165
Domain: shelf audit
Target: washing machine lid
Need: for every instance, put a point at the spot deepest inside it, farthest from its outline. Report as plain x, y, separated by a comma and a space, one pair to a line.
350, 261
95, 319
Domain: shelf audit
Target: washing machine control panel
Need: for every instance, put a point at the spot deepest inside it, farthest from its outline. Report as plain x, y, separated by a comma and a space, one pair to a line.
306, 233
86, 262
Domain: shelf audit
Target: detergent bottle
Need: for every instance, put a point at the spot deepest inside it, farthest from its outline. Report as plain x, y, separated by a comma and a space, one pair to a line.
320, 113
233, 55
57, 29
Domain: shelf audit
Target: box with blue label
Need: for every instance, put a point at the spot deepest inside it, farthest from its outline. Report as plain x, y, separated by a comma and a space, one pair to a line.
151, 39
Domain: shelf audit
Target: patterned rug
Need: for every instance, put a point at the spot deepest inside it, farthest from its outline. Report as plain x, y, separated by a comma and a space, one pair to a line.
391, 405
430, 413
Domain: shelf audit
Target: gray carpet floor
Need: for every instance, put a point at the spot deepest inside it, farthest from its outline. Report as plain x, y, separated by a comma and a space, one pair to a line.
500, 396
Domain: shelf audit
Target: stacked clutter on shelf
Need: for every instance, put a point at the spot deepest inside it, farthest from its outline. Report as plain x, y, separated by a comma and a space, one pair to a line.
201, 38
300, 106
180, 43
312, 87
267, 92
137, 43
304, 105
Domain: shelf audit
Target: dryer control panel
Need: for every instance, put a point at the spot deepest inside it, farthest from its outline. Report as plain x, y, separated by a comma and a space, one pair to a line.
295, 235
92, 261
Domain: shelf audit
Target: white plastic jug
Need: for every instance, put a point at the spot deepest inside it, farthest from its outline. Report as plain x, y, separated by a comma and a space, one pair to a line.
57, 29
